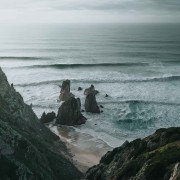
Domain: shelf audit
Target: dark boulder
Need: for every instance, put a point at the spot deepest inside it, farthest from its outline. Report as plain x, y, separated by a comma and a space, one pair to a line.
49, 117
91, 104
106, 95
80, 88
65, 93
69, 113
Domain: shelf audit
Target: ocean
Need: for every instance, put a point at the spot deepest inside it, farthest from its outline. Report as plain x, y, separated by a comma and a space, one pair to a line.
137, 65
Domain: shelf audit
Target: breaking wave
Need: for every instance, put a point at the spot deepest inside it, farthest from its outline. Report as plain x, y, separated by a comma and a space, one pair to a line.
149, 79
63, 66
21, 58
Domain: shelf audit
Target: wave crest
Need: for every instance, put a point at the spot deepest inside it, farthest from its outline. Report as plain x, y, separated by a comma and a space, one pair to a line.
152, 79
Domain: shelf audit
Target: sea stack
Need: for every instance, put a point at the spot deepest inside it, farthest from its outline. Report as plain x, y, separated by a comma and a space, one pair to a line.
91, 104
91, 89
69, 113
65, 93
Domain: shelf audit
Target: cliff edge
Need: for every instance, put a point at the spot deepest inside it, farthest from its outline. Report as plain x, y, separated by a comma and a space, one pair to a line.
28, 150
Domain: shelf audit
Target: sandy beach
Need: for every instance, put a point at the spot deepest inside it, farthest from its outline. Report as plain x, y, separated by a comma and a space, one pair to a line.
86, 151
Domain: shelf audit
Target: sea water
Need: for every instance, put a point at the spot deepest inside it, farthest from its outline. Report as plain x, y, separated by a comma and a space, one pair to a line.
137, 65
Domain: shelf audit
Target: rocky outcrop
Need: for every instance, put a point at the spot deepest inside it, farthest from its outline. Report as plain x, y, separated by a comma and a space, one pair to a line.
176, 172
90, 90
155, 157
49, 117
65, 93
69, 113
28, 150
91, 104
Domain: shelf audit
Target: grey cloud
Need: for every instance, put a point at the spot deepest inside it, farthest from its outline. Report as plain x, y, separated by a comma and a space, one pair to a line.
114, 5
104, 5
170, 5
91, 10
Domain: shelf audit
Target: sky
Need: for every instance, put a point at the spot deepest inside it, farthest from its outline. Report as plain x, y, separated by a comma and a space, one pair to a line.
89, 11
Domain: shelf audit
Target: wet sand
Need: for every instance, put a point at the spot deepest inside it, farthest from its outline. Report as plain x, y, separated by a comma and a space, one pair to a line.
86, 150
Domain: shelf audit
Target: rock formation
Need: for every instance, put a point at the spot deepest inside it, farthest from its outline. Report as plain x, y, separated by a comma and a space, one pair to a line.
156, 157
49, 117
91, 104
65, 93
176, 172
69, 113
101, 106
80, 88
28, 150
91, 89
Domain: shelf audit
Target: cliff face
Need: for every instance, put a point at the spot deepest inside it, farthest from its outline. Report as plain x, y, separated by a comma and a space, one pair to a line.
156, 157
28, 150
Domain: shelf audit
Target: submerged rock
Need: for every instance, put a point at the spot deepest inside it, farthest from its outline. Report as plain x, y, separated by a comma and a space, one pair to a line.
49, 117
69, 113
80, 88
65, 93
156, 157
101, 106
91, 104
90, 90
29, 150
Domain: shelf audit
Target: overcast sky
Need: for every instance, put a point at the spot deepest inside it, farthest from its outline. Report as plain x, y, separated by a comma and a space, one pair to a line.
54, 11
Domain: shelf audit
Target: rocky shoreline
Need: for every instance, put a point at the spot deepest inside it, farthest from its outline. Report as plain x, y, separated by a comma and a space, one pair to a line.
156, 157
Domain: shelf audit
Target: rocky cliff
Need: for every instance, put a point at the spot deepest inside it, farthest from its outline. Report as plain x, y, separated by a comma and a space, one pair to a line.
28, 150
156, 157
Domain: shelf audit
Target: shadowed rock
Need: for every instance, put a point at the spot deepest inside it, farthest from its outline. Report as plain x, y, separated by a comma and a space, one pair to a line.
49, 117
91, 104
65, 93
69, 113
